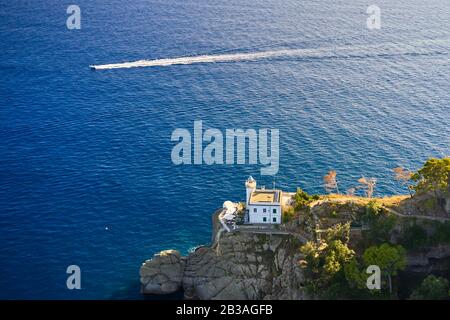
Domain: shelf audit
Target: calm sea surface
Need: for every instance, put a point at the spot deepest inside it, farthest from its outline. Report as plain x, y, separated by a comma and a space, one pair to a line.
86, 176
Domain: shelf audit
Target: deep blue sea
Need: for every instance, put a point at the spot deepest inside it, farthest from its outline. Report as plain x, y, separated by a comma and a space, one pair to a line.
86, 175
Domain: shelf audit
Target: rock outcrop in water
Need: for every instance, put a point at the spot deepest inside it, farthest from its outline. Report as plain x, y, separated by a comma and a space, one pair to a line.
163, 274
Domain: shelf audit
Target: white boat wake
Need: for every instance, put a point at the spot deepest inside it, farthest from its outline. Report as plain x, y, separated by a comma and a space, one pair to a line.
422, 47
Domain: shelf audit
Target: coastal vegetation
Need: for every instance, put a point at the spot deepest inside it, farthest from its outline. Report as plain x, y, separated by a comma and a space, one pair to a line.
303, 199
324, 260
432, 288
352, 233
289, 214
433, 176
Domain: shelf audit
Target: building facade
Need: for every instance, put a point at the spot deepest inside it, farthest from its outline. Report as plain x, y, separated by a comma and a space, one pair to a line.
262, 205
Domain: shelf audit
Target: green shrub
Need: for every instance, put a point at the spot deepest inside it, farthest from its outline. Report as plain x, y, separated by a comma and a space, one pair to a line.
288, 215
430, 204
432, 288
340, 231
441, 233
414, 237
302, 199
433, 176
373, 210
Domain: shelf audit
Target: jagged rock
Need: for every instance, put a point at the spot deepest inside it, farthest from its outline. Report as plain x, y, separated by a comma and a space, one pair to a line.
163, 273
428, 260
243, 265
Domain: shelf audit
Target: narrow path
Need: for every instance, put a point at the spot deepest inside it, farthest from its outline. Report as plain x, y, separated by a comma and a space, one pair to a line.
393, 211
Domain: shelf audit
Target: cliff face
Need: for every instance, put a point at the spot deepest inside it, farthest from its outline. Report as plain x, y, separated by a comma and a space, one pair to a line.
433, 259
238, 265
163, 274
245, 266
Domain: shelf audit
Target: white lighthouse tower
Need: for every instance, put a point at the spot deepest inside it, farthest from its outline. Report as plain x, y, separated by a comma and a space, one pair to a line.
250, 186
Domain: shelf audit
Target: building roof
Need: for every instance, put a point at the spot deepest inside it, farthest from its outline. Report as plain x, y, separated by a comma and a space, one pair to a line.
265, 197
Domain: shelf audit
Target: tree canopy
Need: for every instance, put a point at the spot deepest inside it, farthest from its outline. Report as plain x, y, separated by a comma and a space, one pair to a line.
325, 260
389, 258
433, 176
432, 288
302, 199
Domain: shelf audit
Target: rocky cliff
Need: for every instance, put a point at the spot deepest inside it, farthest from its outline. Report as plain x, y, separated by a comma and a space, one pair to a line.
238, 265
434, 259
252, 263
163, 273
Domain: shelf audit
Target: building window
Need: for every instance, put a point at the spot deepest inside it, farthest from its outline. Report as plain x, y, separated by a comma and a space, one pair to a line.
274, 219
255, 210
274, 210
264, 219
264, 210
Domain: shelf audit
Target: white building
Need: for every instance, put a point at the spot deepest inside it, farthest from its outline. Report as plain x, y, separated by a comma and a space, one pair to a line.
262, 206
